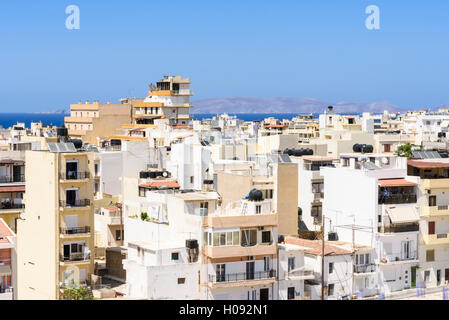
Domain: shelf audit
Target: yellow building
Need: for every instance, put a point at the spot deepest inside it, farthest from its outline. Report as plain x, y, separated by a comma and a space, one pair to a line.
55, 235
93, 121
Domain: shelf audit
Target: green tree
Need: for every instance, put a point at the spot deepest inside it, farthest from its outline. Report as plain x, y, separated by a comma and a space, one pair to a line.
144, 216
73, 292
405, 150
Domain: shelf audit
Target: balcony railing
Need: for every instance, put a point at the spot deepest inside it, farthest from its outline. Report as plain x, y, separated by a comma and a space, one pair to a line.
232, 277
403, 256
9, 205
397, 198
364, 268
79, 256
75, 230
6, 290
74, 175
201, 212
16, 178
399, 228
76, 203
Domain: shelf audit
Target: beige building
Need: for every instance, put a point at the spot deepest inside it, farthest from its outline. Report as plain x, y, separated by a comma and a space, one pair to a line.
55, 235
93, 121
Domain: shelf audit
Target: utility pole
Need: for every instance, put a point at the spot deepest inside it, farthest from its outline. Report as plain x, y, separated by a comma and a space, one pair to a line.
322, 257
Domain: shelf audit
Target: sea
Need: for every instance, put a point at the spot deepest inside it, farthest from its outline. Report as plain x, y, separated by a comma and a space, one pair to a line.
57, 119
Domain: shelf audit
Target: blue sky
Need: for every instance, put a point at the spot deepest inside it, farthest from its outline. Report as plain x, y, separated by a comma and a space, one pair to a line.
319, 49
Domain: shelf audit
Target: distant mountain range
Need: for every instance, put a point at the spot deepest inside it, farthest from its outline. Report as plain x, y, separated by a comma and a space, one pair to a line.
285, 105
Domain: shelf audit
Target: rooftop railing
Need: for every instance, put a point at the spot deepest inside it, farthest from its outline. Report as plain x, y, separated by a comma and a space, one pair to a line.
400, 228
78, 256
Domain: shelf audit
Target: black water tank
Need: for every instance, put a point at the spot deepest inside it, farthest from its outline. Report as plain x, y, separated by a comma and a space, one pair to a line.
116, 142
441, 134
332, 236
308, 152
281, 238
290, 152
255, 195
443, 154
368, 149
143, 174
152, 174
298, 152
286, 151
62, 132
191, 243
78, 143
357, 148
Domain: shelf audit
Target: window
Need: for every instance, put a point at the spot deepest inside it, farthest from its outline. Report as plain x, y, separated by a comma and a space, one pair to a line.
361, 259
252, 295
204, 205
229, 238
235, 238
141, 192
191, 179
330, 291
426, 275
291, 263
181, 280
175, 255
367, 258
430, 255
220, 272
266, 264
331, 267
249, 237
119, 234
291, 293
216, 239
222, 238
266, 236
258, 209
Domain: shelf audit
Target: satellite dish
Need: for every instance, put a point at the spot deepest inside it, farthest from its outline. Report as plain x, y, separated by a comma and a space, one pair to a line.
22, 216
385, 160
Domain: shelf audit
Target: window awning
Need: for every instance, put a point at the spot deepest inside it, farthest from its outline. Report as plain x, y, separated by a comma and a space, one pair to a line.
403, 214
5, 270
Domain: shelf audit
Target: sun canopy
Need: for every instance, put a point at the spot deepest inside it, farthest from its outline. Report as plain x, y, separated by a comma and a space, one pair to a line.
403, 215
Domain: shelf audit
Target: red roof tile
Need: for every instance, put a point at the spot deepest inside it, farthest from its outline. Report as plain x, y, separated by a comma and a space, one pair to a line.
396, 183
314, 246
5, 231
161, 183
426, 164
274, 125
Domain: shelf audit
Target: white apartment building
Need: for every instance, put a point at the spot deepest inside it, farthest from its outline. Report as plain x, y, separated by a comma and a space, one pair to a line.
370, 201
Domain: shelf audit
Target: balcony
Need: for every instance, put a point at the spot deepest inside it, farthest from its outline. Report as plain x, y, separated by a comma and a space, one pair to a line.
435, 183
364, 268
233, 277
74, 175
74, 204
434, 211
12, 179
439, 238
8, 205
75, 231
75, 257
399, 258
397, 198
242, 221
203, 212
399, 228
217, 252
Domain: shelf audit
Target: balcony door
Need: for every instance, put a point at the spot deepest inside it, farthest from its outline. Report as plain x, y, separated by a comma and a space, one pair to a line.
71, 169
264, 294
407, 252
71, 223
250, 270
18, 173
72, 197
221, 272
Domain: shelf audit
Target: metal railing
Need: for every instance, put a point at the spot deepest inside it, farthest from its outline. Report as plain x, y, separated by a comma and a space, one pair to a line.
76, 203
399, 228
364, 268
403, 256
397, 198
201, 212
232, 277
9, 205
78, 256
74, 175
75, 230
15, 178
6, 290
